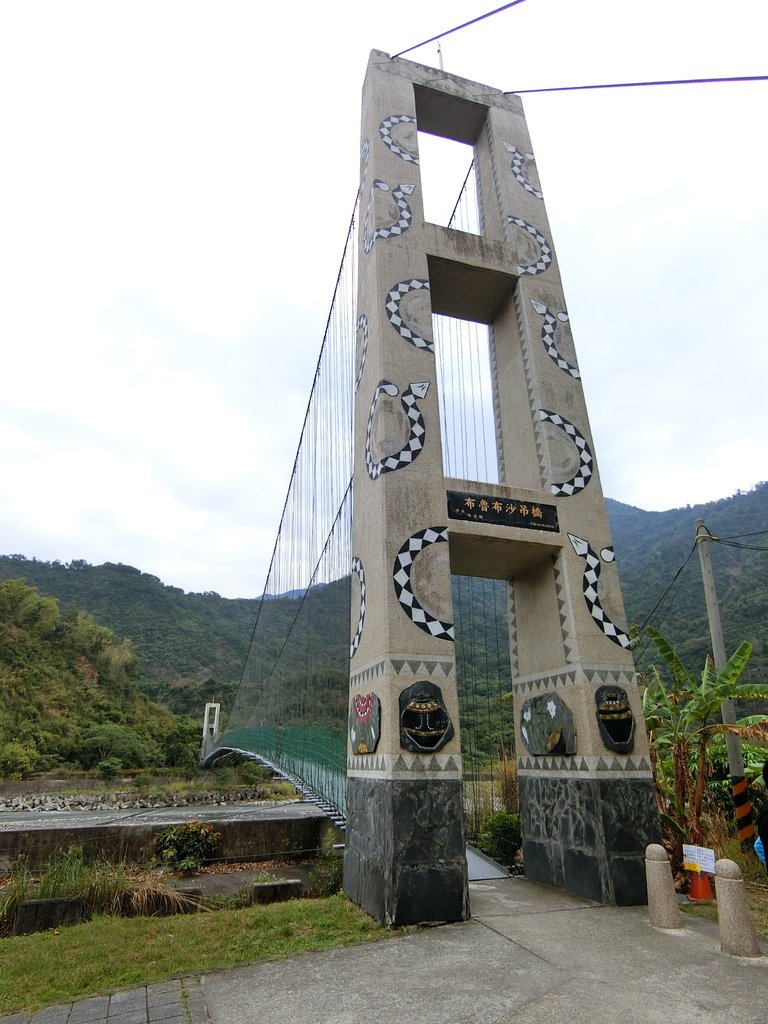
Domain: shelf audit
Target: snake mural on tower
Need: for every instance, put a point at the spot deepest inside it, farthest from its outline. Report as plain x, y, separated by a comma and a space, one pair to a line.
401, 577
584, 473
548, 329
397, 227
416, 428
359, 571
591, 596
394, 299
518, 162
362, 325
545, 249
385, 131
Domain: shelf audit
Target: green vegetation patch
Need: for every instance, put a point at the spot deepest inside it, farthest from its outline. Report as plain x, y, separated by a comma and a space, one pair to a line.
57, 967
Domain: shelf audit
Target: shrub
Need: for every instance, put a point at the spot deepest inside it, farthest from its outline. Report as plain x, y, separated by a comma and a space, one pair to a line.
185, 847
329, 874
252, 774
18, 760
14, 893
109, 767
143, 780
104, 888
501, 837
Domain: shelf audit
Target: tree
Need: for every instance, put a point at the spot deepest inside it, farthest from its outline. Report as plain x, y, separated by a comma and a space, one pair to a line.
18, 760
98, 743
682, 717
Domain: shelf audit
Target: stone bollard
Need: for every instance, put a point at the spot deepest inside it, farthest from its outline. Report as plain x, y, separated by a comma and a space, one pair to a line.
663, 908
737, 929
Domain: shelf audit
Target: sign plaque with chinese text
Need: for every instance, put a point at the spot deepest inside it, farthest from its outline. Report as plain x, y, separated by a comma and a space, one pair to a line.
496, 511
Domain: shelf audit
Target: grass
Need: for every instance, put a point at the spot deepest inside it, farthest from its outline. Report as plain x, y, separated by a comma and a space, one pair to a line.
61, 966
103, 886
758, 902
755, 880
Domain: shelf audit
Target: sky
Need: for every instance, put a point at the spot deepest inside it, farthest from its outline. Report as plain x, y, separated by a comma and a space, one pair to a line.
176, 183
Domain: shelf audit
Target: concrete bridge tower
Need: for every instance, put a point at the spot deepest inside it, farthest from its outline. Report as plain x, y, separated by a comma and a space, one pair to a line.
586, 791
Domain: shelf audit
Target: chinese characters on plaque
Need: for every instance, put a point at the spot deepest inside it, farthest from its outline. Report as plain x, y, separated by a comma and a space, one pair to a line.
484, 508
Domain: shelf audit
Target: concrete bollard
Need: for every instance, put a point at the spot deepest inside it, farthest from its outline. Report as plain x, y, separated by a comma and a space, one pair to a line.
663, 908
737, 929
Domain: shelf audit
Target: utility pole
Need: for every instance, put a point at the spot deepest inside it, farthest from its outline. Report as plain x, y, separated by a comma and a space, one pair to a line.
744, 823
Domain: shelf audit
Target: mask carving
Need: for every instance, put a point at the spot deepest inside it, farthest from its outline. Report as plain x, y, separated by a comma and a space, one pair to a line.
615, 718
425, 725
364, 723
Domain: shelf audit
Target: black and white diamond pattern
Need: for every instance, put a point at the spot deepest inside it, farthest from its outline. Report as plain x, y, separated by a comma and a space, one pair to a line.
545, 250
591, 596
548, 336
359, 571
399, 227
416, 428
394, 297
584, 472
362, 325
385, 130
518, 160
406, 556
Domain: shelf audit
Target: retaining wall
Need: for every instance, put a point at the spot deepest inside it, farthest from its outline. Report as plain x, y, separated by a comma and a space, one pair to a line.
252, 833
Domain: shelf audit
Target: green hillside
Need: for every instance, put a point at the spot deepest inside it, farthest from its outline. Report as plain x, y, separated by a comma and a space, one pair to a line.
652, 546
192, 647
70, 695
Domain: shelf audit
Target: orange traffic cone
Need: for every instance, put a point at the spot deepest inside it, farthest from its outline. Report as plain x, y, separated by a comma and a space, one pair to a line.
700, 887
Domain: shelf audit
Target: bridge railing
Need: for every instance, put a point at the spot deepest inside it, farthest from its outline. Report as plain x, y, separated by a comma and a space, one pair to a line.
291, 704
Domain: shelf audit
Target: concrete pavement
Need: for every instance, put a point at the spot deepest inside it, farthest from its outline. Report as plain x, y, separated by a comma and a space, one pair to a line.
530, 954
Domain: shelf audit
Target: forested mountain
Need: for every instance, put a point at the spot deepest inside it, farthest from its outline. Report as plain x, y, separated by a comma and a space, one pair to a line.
192, 647
652, 546
69, 693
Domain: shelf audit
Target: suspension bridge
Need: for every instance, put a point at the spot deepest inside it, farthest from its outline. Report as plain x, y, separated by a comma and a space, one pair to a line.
441, 632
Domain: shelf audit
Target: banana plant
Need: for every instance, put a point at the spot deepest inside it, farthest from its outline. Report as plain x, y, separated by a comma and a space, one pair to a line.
682, 717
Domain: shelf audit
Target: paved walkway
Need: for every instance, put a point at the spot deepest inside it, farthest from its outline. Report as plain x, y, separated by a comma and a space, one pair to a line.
530, 955
172, 1002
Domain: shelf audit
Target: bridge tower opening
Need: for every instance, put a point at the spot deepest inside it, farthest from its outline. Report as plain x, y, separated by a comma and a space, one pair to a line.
587, 800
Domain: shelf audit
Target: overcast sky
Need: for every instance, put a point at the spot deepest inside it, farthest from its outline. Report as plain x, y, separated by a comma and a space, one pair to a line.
175, 185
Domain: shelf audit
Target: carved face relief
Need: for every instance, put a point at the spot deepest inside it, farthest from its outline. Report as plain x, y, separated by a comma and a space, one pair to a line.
425, 725
615, 718
364, 723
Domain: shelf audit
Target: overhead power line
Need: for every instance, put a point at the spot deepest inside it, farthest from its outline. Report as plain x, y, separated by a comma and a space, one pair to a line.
474, 21
745, 547
634, 85
661, 601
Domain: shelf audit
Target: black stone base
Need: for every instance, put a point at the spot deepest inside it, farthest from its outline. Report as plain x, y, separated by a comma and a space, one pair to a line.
588, 836
405, 859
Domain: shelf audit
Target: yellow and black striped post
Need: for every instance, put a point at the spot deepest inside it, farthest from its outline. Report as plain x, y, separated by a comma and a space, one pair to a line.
743, 806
